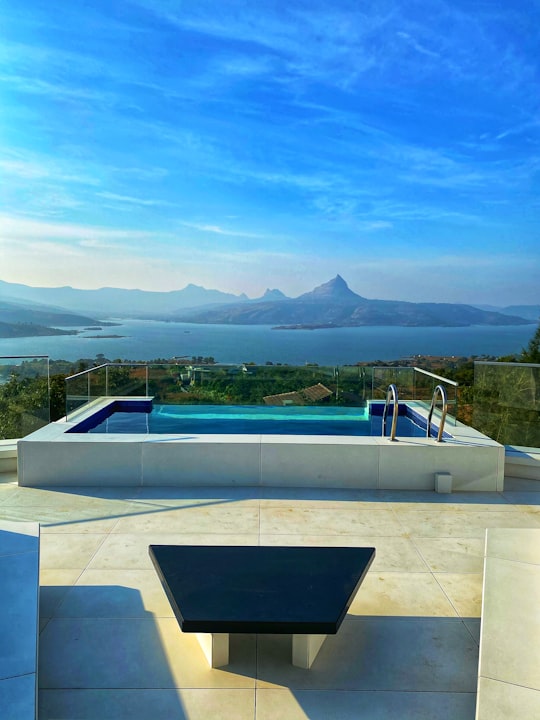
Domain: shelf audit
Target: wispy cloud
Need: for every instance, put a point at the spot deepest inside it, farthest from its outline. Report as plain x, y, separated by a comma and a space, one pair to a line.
147, 202
417, 46
21, 228
60, 91
26, 165
217, 230
529, 125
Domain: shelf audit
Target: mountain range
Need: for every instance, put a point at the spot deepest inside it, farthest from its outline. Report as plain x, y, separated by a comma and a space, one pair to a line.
332, 304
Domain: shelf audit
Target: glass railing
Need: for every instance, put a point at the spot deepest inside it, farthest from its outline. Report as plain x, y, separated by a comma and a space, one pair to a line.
243, 384
177, 383
24, 395
507, 402
108, 380
415, 384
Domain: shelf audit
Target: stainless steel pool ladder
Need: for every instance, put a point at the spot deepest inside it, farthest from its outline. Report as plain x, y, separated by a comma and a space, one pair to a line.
391, 394
439, 390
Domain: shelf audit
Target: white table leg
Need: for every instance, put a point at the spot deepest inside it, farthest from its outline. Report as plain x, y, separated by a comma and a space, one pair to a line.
215, 647
305, 649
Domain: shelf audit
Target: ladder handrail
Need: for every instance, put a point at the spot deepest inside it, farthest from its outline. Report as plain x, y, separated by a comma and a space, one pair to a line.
439, 390
391, 392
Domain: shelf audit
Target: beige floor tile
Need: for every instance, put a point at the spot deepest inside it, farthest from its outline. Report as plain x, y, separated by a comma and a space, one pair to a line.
460, 555
193, 519
461, 523
218, 704
79, 525
176, 499
131, 550
175, 704
346, 705
115, 593
401, 594
113, 649
54, 520
53, 585
330, 521
331, 498
501, 701
386, 654
135, 653
74, 551
101, 501
455, 502
392, 553
464, 591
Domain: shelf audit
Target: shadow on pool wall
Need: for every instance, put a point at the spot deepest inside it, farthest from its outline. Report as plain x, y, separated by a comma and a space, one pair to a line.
56, 455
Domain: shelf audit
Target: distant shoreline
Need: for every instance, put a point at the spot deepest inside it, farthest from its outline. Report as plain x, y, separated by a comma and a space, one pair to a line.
148, 340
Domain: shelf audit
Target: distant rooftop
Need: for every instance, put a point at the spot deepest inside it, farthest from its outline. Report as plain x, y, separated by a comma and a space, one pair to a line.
311, 394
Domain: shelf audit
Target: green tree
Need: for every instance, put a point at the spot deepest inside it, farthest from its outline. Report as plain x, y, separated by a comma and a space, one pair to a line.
531, 354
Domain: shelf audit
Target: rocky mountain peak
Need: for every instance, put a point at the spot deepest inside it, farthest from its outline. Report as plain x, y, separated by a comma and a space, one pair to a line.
273, 294
335, 290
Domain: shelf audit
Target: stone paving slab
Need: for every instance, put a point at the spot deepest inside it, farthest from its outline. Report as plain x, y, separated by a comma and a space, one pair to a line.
108, 649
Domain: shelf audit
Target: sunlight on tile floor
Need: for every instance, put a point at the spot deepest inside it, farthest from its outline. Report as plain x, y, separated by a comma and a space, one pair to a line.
110, 646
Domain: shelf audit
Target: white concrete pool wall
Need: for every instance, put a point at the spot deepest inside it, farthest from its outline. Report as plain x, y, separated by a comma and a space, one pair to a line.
51, 456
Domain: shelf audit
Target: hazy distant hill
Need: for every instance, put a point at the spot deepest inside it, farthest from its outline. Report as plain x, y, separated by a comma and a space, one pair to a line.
334, 304
17, 311
107, 302
271, 295
531, 312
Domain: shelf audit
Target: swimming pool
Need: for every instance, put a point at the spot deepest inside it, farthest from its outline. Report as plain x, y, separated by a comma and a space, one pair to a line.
65, 453
249, 420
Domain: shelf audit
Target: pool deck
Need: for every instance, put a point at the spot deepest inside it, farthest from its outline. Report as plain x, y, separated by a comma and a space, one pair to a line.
110, 646
56, 456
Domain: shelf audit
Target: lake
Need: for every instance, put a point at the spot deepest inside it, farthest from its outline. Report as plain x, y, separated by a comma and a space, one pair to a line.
148, 340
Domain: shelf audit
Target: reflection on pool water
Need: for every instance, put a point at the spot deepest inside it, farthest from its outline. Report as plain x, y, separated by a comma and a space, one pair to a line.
251, 420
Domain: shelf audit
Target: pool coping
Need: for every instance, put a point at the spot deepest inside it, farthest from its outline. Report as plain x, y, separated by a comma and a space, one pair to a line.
48, 457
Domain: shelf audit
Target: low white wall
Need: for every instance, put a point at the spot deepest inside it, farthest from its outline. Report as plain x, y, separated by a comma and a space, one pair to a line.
51, 456
8, 455
522, 463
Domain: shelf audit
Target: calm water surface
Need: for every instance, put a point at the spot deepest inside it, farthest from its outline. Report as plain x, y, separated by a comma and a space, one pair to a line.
148, 340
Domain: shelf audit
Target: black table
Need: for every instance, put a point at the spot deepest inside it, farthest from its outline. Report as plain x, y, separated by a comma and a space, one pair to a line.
217, 590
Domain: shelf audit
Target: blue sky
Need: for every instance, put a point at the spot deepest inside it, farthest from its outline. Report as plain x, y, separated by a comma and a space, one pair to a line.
244, 145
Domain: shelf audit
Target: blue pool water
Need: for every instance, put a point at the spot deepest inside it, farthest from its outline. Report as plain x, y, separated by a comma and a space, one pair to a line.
250, 420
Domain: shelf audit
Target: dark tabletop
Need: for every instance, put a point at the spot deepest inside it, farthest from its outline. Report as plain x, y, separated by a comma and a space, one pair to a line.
254, 589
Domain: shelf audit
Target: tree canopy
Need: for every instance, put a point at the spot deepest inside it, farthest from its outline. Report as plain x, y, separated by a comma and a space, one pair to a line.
531, 354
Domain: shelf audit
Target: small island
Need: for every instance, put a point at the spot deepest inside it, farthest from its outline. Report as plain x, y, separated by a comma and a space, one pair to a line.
21, 330
102, 337
306, 326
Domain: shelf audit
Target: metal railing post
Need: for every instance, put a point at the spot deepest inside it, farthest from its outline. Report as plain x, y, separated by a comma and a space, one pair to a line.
391, 392
439, 390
